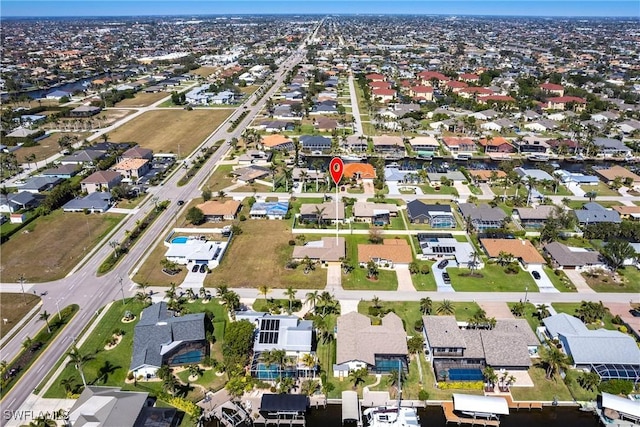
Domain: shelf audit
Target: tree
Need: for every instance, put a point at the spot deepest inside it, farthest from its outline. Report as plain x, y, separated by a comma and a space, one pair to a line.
358, 376
518, 309
45, 316
170, 384
415, 344
616, 252
264, 290
291, 294
194, 370
372, 270
590, 311
195, 216
79, 360
589, 380
43, 421
504, 258
142, 297
206, 194
375, 236
543, 311
445, 308
312, 299
553, 359
414, 268
238, 342
69, 384
231, 300
375, 302
591, 195
426, 305
490, 376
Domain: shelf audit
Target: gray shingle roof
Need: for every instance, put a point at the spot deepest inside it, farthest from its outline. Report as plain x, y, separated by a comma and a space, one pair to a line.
593, 212
565, 257
483, 212
443, 331
107, 407
504, 349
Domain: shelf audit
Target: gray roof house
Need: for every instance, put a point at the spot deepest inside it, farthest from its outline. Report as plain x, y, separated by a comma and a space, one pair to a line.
564, 257
439, 246
161, 338
37, 184
14, 202
537, 174
437, 216
327, 249
483, 217
315, 142
82, 157
534, 217
611, 354
450, 346
611, 147
436, 177
363, 345
592, 213
99, 201
62, 171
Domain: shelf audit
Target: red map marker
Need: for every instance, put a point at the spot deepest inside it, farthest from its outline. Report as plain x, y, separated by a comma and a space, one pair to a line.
336, 167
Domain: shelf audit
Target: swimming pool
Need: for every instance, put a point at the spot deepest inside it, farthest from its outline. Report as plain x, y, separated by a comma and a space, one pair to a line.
193, 356
179, 239
465, 375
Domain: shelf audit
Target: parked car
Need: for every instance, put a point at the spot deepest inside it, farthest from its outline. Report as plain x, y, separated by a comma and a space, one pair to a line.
194, 269
635, 312
446, 278
442, 264
203, 268
535, 275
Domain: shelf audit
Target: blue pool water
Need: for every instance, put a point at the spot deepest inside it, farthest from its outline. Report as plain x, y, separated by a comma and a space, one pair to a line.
179, 240
465, 375
193, 356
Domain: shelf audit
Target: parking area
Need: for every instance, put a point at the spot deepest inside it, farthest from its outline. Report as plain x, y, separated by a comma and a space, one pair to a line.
437, 274
622, 310
544, 283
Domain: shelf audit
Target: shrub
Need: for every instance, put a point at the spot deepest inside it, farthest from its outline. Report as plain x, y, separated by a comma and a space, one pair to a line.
616, 387
130, 376
461, 385
623, 329
418, 327
292, 242
242, 217
423, 395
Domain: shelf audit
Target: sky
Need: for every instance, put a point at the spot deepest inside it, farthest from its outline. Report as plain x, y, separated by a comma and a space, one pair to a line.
44, 8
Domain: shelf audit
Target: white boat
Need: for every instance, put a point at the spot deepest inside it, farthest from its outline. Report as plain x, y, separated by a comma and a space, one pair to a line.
392, 415
352, 158
538, 158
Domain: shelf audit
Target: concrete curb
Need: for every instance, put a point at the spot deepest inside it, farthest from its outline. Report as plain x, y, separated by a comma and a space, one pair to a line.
18, 326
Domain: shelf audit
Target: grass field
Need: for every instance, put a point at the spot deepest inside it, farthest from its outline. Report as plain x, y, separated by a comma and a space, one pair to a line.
14, 307
151, 270
424, 282
142, 99
601, 189
50, 246
204, 71
543, 389
258, 256
162, 131
493, 279
47, 147
571, 309
220, 178
628, 280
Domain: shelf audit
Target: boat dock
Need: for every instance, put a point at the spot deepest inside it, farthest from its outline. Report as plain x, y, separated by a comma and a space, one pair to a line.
451, 417
351, 410
522, 404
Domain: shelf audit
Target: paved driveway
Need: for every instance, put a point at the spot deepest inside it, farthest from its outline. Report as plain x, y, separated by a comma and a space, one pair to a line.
577, 279
544, 283
499, 310
437, 274
334, 277
404, 278
622, 310
463, 191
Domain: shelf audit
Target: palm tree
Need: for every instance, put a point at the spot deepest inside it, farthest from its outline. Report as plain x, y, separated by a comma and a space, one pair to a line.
204, 295
357, 376
221, 290
232, 301
68, 383
45, 316
473, 262
143, 287
79, 360
27, 343
531, 185
375, 302
142, 297
273, 169
504, 258
372, 270
170, 384
318, 212
426, 305
312, 299
264, 290
288, 173
445, 308
310, 361
194, 370
303, 177
43, 421
291, 294
553, 359
170, 293
191, 295
490, 376
543, 311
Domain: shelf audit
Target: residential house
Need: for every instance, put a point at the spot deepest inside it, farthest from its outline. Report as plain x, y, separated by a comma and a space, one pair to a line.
457, 145
485, 115
565, 257
112, 407
437, 216
14, 202
162, 338
357, 143
374, 213
609, 147
610, 354
217, 211
380, 349
84, 111
98, 201
255, 156
132, 169
269, 210
309, 212
533, 217
496, 144
383, 95
436, 177
138, 152
276, 126
561, 103
196, 251
359, 171
249, 174
424, 146
482, 217
58, 95
83, 157
541, 125
461, 354
520, 249
438, 246
315, 143
432, 78
101, 181
628, 212
531, 144
62, 171
325, 250
594, 213
568, 177
605, 116
388, 144
552, 89
498, 125
537, 174
629, 126
324, 124
392, 252
277, 142
486, 175
564, 146
280, 332
421, 93
609, 175
21, 132
38, 184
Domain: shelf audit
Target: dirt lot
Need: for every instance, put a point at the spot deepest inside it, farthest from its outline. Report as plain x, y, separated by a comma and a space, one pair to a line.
162, 131
142, 99
13, 308
204, 71
48, 248
48, 146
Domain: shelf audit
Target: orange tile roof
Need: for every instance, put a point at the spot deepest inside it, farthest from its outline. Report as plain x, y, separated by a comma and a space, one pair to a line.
521, 249
365, 170
617, 171
486, 174
626, 210
395, 250
495, 142
274, 140
215, 207
130, 164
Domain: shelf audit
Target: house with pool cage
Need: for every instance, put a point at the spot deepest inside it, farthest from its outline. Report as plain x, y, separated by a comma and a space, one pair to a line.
281, 332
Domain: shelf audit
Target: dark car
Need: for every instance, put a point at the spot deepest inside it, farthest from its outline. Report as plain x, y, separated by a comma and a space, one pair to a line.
442, 264
180, 202
635, 312
535, 275
194, 269
203, 268
446, 278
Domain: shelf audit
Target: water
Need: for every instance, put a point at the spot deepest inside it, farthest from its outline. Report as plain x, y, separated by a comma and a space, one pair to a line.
193, 356
465, 375
67, 87
179, 240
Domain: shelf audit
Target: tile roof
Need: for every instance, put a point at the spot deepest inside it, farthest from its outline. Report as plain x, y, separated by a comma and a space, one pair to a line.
275, 140
521, 249
617, 171
130, 164
215, 207
326, 249
365, 170
100, 177
359, 340
443, 331
395, 250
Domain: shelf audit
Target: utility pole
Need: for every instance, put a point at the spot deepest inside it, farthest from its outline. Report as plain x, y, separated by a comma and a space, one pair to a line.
122, 290
24, 297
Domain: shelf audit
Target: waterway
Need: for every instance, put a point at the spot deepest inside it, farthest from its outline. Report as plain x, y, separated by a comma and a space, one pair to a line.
67, 87
433, 416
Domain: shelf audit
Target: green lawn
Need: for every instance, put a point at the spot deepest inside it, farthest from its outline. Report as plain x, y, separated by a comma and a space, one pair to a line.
110, 367
424, 282
220, 179
579, 393
530, 314
627, 280
578, 204
543, 389
443, 189
493, 279
571, 308
578, 242
357, 279
601, 189
560, 280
